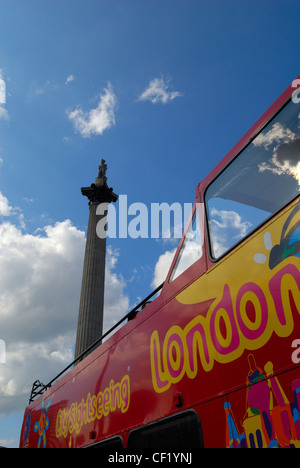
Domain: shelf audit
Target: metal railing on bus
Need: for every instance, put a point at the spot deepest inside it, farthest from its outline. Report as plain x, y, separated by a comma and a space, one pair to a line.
38, 388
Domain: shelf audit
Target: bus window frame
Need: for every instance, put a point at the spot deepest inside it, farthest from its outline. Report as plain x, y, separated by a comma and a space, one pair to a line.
192, 219
199, 267
212, 259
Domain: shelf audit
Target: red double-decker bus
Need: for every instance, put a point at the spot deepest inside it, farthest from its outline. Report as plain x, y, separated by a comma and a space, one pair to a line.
214, 360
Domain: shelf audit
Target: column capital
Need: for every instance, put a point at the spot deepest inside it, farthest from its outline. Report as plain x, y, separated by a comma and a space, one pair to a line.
99, 194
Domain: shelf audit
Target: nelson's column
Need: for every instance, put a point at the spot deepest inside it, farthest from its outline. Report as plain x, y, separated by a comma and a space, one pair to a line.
90, 317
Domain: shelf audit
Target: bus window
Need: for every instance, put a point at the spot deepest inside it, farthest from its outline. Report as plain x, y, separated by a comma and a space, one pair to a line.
191, 249
114, 443
180, 431
261, 180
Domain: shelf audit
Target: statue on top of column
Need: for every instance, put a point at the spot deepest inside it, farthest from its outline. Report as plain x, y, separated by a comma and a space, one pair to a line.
101, 179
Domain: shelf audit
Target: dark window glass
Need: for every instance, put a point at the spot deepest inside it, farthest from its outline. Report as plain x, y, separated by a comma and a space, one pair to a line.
176, 432
114, 443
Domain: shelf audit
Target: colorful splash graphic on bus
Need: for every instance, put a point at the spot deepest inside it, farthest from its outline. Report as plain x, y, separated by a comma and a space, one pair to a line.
271, 421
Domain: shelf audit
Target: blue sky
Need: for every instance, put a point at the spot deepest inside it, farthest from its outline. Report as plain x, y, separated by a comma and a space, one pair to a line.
162, 90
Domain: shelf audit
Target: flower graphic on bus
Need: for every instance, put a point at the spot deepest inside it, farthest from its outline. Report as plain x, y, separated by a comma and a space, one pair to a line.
289, 245
42, 426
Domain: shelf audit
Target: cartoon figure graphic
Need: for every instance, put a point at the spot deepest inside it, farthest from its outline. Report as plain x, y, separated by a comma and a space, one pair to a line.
259, 401
42, 426
265, 424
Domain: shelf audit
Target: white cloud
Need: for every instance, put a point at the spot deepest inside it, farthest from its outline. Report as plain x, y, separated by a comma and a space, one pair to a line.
37, 90
69, 79
285, 158
6, 442
159, 91
42, 89
96, 121
227, 227
3, 112
5, 208
162, 268
2, 90
40, 281
278, 134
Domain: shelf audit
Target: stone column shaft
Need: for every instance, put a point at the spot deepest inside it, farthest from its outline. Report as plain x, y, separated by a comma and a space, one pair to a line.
90, 318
